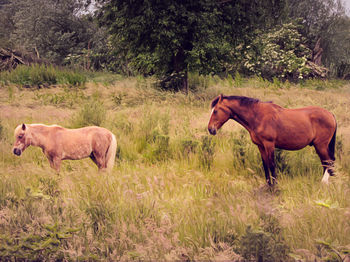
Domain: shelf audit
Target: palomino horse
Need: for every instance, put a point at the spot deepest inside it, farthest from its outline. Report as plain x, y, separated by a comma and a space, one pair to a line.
59, 143
271, 126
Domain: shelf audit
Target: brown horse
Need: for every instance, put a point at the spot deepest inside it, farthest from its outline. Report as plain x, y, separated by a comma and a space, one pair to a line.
59, 143
271, 126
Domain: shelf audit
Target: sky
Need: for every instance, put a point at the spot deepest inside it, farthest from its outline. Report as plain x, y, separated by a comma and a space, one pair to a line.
347, 6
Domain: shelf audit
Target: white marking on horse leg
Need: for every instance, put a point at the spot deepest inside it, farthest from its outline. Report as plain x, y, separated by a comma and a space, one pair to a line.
325, 177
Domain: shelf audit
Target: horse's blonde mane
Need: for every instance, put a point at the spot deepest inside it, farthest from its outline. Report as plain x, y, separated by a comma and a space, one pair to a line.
54, 125
19, 127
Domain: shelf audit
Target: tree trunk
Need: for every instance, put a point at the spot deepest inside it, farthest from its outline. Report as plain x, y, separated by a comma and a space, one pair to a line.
317, 53
185, 82
180, 68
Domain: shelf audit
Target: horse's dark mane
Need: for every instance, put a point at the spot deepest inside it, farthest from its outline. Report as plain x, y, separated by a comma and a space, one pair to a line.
243, 100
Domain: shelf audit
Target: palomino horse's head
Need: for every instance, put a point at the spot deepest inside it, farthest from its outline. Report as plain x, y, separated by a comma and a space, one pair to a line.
22, 140
219, 115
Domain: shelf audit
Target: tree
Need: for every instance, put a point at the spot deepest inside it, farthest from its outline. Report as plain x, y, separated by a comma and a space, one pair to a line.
337, 48
325, 29
169, 38
6, 23
51, 28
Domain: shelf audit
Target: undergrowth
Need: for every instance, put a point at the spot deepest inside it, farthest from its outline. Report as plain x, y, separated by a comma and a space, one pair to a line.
176, 193
42, 76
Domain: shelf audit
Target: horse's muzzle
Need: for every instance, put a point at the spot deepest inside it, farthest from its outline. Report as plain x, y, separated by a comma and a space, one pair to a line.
212, 130
17, 151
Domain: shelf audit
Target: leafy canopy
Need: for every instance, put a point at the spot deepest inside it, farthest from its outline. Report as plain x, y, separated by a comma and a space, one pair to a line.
166, 36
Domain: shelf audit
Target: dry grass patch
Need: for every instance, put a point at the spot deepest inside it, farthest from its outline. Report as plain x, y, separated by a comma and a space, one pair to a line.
175, 193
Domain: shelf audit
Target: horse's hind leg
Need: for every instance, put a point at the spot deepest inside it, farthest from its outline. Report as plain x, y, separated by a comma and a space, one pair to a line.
93, 158
326, 159
98, 159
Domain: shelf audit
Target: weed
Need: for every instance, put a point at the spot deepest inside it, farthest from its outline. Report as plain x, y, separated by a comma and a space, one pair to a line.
93, 113
48, 245
264, 243
158, 150
122, 124
332, 252
67, 98
281, 161
152, 125
197, 81
176, 193
230, 81
118, 98
276, 83
206, 153
70, 78
49, 186
240, 148
42, 75
1, 130
10, 92
188, 146
238, 79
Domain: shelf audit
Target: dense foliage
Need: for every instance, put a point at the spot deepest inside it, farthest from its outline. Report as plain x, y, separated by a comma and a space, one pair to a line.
169, 39
280, 52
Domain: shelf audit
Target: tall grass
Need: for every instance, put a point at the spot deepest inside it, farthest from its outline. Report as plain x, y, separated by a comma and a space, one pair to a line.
92, 113
175, 193
42, 75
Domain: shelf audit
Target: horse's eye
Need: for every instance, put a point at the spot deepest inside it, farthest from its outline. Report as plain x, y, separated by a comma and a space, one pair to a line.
214, 112
20, 136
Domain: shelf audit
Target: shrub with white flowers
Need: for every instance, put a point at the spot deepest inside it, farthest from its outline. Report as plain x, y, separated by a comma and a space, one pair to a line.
281, 52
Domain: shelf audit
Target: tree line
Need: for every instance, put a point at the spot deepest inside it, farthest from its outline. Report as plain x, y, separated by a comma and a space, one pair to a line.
286, 39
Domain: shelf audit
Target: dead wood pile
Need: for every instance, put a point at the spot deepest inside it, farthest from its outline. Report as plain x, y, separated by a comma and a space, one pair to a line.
317, 71
10, 59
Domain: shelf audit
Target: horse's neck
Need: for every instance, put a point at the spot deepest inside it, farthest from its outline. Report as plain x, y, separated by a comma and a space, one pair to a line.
244, 115
38, 135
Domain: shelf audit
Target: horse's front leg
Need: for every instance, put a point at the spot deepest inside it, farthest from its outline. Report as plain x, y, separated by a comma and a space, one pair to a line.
272, 164
267, 152
264, 158
55, 162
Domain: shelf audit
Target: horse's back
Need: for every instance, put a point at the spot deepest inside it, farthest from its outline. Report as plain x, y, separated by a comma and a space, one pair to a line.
296, 128
318, 116
79, 143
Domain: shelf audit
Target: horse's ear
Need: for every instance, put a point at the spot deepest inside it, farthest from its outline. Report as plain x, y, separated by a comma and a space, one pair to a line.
24, 127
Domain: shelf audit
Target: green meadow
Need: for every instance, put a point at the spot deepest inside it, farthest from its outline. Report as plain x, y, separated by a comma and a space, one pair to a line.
175, 192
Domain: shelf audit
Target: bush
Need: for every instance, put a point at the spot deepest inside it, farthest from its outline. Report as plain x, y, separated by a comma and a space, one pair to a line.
206, 153
264, 243
158, 150
71, 78
188, 146
152, 137
281, 53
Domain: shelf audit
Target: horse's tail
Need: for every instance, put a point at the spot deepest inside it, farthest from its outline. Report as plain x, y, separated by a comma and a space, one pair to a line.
331, 145
110, 155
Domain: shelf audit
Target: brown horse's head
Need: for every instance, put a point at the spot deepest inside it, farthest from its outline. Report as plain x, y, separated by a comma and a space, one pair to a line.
22, 140
219, 114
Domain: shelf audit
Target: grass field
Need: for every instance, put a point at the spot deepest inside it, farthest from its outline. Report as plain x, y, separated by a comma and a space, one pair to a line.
175, 193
